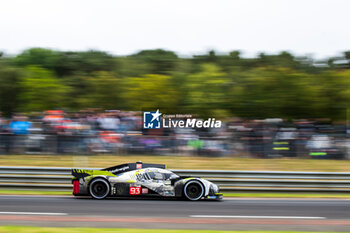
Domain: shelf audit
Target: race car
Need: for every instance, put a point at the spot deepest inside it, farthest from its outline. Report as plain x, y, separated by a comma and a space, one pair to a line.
141, 180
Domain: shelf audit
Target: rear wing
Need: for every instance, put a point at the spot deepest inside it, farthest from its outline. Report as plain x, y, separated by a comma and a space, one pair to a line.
131, 166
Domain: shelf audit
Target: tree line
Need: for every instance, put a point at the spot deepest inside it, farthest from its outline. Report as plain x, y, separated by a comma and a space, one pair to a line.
211, 85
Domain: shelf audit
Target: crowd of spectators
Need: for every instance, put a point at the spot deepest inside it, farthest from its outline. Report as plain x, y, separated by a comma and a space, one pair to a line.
120, 132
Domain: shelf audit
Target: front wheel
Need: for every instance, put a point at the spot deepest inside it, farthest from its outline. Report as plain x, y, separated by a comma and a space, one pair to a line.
99, 188
193, 190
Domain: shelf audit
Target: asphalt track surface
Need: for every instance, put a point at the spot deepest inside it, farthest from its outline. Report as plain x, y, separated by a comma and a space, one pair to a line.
229, 214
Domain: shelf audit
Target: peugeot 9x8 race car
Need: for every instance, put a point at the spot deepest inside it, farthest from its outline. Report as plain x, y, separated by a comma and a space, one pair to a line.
143, 180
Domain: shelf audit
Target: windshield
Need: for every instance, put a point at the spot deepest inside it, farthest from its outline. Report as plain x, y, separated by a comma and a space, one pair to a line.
161, 174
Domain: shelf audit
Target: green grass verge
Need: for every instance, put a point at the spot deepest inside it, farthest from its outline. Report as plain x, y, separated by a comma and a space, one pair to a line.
33, 192
20, 229
179, 162
252, 195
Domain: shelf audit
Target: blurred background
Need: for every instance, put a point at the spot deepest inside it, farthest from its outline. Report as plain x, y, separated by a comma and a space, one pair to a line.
76, 76
90, 102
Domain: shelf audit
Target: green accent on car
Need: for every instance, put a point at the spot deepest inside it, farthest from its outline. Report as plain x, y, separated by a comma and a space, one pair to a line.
83, 171
93, 172
317, 153
281, 143
281, 148
88, 174
186, 179
103, 173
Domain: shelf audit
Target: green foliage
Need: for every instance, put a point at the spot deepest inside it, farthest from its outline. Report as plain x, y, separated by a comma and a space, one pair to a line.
66, 63
161, 61
41, 90
151, 91
273, 92
208, 91
45, 58
9, 88
132, 67
85, 62
103, 91
215, 85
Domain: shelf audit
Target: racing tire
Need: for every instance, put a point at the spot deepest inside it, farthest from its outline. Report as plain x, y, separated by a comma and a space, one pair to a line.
193, 190
99, 188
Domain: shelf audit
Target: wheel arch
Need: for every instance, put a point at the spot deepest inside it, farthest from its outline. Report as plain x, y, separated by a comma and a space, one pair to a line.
100, 178
97, 177
187, 180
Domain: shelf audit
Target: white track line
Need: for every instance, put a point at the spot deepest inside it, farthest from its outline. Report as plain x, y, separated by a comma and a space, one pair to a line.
260, 217
32, 213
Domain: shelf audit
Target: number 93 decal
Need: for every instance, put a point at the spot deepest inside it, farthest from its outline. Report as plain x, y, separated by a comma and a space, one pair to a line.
135, 190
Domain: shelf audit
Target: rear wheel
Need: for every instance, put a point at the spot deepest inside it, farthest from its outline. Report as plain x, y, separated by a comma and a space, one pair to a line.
99, 188
193, 190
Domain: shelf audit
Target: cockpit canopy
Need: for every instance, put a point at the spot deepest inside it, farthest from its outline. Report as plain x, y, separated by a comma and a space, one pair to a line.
159, 174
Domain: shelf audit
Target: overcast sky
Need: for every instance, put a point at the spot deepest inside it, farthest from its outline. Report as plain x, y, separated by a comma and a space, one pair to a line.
317, 27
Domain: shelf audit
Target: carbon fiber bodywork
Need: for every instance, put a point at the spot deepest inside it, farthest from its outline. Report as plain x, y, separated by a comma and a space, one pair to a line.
140, 179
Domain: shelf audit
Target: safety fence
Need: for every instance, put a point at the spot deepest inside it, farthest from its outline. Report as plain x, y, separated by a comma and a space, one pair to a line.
107, 142
57, 178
